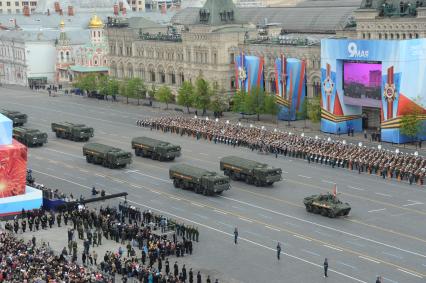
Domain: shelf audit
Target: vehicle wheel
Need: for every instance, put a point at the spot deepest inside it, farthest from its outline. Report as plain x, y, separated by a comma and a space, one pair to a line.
233, 176
324, 212
176, 183
308, 208
257, 183
205, 192
57, 134
171, 159
196, 189
315, 210
331, 214
220, 192
88, 159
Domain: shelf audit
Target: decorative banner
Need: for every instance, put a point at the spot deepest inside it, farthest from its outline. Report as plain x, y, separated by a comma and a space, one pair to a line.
6, 129
290, 86
13, 169
248, 72
381, 74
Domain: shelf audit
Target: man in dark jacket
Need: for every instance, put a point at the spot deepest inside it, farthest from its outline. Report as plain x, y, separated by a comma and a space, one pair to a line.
198, 277
325, 267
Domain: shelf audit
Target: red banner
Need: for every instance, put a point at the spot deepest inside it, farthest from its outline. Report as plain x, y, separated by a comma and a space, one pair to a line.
13, 169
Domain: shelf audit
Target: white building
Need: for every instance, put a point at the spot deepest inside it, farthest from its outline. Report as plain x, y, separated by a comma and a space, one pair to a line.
12, 60
16, 6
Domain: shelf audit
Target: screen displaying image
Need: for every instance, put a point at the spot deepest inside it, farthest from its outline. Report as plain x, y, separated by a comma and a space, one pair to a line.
362, 83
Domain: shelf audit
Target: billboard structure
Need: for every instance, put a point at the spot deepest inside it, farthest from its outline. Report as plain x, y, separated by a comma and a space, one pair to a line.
290, 86
248, 72
386, 74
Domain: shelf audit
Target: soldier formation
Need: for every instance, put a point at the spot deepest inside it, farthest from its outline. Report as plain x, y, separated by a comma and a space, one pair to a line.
384, 163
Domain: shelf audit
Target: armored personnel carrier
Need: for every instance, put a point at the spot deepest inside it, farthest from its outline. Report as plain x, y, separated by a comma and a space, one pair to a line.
106, 155
74, 132
326, 205
29, 137
17, 117
200, 180
156, 149
252, 172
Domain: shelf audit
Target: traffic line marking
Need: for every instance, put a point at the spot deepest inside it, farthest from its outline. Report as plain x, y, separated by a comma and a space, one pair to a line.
306, 177
119, 181
205, 154
375, 210
174, 198
155, 192
329, 182
303, 238
390, 280
218, 211
413, 203
85, 171
355, 188
135, 186
196, 204
333, 248
99, 175
272, 228
369, 259
345, 264
408, 272
385, 195
310, 252
244, 219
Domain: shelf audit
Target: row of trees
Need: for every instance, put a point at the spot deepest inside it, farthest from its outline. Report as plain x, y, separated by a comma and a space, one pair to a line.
202, 95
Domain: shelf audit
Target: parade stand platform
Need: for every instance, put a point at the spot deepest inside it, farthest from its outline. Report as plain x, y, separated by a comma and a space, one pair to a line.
32, 199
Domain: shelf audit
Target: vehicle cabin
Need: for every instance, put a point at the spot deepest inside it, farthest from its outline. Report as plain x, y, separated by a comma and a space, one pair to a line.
29, 137
74, 132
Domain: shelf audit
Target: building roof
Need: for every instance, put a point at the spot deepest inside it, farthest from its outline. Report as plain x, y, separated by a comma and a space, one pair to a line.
309, 16
92, 6
83, 69
96, 22
75, 37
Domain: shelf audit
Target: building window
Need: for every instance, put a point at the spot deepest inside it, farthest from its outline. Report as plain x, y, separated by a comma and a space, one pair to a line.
33, 3
386, 36
369, 35
363, 35
417, 35
9, 11
410, 36
380, 36
391, 36
62, 56
173, 79
397, 36
215, 58
67, 54
188, 56
231, 58
403, 36
8, 4
162, 77
17, 4
18, 11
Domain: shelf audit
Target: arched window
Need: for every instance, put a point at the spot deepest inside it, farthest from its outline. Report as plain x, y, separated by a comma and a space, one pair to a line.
99, 34
391, 36
417, 35
67, 55
62, 56
380, 36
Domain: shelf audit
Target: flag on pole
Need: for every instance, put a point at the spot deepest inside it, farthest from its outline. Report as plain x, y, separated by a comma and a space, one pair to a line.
335, 190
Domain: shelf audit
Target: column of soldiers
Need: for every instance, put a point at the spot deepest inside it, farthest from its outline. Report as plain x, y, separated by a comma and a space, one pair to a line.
384, 163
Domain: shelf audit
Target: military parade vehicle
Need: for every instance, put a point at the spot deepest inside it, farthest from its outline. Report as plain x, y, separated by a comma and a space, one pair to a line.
200, 180
74, 132
106, 155
326, 205
29, 137
252, 172
17, 117
156, 149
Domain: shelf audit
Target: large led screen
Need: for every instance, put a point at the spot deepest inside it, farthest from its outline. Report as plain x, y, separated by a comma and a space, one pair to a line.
362, 83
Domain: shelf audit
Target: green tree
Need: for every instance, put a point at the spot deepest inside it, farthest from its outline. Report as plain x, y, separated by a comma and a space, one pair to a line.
151, 93
238, 101
303, 111
410, 124
255, 102
136, 88
271, 106
186, 95
314, 109
219, 101
123, 90
165, 95
108, 86
202, 94
88, 82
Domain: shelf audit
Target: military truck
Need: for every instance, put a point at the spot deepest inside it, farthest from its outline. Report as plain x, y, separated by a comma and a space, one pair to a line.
74, 132
200, 180
156, 149
29, 137
252, 172
17, 117
326, 205
106, 155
